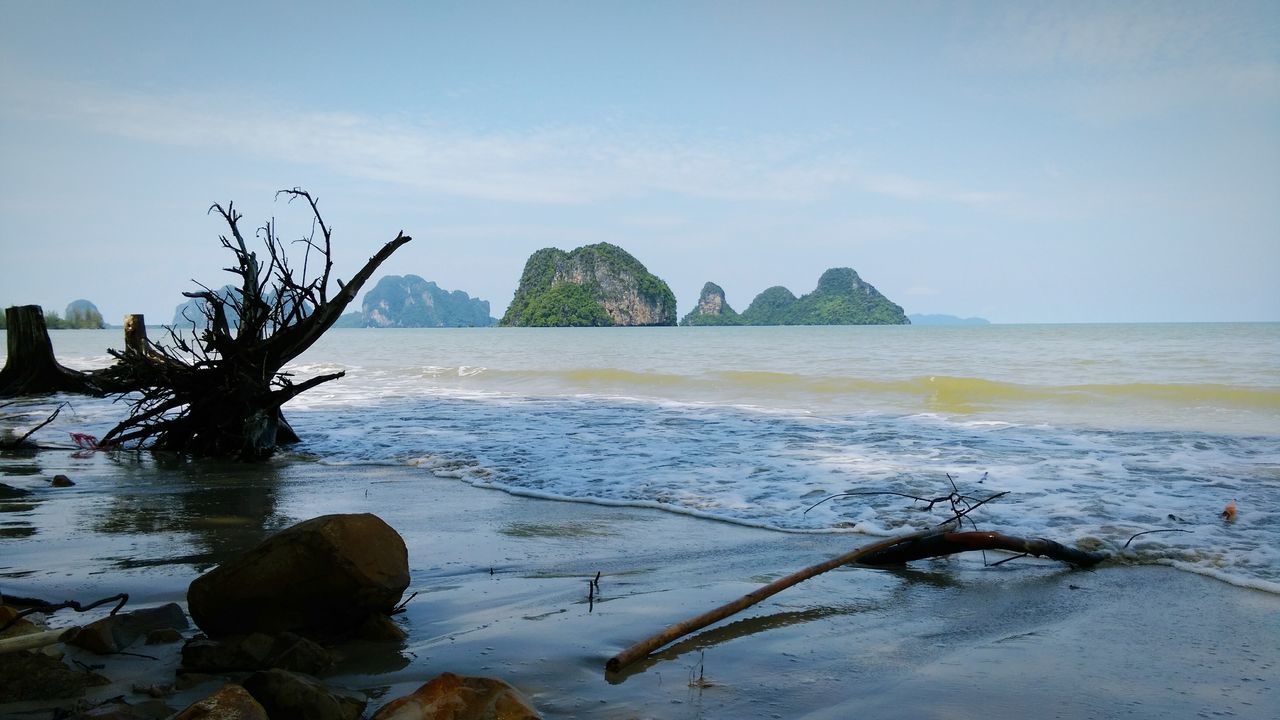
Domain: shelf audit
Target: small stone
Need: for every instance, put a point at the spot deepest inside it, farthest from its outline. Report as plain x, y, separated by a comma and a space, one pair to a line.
232, 702
258, 651
380, 628
294, 696
453, 697
9, 492
116, 632
163, 636
61, 481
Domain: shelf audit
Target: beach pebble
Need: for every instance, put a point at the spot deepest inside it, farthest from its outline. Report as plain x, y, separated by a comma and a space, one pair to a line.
231, 702
454, 697
322, 578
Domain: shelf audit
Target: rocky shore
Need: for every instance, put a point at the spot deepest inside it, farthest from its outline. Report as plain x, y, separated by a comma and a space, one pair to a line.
501, 587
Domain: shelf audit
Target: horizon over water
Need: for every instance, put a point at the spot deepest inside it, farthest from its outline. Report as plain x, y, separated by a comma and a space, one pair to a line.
1098, 432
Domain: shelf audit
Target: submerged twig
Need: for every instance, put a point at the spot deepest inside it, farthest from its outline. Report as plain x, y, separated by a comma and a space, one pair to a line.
18, 442
1148, 532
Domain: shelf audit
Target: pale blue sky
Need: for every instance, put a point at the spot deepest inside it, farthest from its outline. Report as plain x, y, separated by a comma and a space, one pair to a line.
1024, 161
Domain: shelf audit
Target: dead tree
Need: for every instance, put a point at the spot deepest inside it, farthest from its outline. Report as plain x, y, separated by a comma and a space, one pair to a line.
218, 389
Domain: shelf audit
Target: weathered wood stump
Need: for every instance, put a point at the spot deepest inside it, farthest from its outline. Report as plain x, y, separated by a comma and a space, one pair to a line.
135, 334
30, 368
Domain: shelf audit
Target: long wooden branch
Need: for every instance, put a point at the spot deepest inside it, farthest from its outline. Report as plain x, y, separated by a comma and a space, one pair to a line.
642, 649
950, 543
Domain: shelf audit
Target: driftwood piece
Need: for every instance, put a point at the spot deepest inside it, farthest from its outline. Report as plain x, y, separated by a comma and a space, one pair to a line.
34, 640
642, 649
950, 543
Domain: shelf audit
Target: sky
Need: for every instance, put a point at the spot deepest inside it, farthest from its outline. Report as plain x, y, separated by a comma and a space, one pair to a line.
1018, 161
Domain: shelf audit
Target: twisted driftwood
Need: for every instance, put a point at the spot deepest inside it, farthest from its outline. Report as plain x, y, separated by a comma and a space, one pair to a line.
933, 542
642, 649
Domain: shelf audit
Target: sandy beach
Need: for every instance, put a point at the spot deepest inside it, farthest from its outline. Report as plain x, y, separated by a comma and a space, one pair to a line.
502, 585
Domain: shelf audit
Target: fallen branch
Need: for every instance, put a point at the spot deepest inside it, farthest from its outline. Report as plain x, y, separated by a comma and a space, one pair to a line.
10, 444
36, 640
950, 543
642, 649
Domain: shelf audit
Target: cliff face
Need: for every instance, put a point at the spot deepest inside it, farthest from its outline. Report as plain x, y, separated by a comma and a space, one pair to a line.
841, 298
410, 301
595, 285
712, 309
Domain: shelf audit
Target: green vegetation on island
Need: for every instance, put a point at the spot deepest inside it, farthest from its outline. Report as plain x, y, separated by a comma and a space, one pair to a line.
598, 285
712, 309
841, 298
80, 315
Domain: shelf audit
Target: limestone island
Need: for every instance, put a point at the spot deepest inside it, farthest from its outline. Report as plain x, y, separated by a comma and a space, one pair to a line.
408, 301
598, 285
841, 298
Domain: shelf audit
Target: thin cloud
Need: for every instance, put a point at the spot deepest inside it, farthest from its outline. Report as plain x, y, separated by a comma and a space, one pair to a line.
906, 188
555, 166
551, 166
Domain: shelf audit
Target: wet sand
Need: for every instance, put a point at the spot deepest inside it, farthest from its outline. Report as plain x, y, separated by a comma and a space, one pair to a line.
503, 591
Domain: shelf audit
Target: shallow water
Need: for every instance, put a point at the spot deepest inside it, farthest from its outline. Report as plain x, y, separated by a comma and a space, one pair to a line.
1097, 432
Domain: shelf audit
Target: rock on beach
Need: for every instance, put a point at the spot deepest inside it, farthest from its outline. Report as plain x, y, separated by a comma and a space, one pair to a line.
322, 578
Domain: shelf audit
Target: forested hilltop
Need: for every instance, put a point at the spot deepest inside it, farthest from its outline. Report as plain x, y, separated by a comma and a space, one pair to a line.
841, 298
598, 285
409, 301
80, 315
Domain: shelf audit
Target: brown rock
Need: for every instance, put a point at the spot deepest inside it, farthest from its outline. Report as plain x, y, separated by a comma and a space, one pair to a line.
293, 696
36, 676
232, 702
258, 651
453, 697
117, 632
323, 577
61, 481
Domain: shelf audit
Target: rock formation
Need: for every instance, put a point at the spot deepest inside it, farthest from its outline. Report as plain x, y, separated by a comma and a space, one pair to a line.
841, 298
595, 285
82, 314
409, 301
712, 309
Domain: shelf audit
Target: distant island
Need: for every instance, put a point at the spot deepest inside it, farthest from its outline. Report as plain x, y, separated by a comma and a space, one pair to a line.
408, 301
598, 285
841, 298
79, 315
917, 319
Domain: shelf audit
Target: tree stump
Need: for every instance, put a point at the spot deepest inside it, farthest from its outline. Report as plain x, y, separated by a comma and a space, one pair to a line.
135, 334
30, 368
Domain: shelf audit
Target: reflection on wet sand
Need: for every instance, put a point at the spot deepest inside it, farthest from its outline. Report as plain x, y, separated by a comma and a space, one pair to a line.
213, 510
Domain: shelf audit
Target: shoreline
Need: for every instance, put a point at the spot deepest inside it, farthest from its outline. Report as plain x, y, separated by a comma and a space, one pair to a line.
502, 583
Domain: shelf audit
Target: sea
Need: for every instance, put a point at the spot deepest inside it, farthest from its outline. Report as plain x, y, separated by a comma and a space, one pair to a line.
1128, 438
